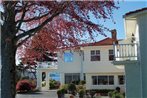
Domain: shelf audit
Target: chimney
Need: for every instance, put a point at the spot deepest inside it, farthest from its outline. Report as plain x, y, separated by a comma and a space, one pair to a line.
114, 36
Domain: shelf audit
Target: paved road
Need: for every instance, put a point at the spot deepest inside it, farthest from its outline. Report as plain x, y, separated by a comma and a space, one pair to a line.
45, 94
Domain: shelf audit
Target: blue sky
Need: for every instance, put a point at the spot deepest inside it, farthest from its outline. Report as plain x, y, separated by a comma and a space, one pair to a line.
125, 7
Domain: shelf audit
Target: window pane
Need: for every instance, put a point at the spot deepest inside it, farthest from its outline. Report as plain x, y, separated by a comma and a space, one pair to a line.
95, 58
97, 52
92, 52
110, 51
111, 57
68, 78
72, 77
121, 79
103, 80
68, 57
111, 80
94, 80
95, 55
76, 78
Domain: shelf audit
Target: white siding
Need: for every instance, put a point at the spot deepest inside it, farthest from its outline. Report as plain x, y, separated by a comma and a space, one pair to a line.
102, 66
69, 67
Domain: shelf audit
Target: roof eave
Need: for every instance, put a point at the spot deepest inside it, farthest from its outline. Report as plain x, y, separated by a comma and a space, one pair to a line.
134, 14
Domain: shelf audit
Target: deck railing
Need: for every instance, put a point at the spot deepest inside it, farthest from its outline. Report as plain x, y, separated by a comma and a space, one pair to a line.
47, 65
123, 52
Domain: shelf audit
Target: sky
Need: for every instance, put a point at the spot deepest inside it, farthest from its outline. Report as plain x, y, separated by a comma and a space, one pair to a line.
125, 7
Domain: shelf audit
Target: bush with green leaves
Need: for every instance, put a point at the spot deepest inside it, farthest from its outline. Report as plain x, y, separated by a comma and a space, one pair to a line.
82, 82
61, 92
72, 88
114, 94
81, 89
103, 92
81, 93
54, 84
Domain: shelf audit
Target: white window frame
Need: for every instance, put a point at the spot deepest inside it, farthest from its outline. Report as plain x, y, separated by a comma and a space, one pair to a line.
95, 54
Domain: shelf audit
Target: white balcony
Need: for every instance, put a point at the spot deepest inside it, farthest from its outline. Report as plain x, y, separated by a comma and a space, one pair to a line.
47, 65
126, 53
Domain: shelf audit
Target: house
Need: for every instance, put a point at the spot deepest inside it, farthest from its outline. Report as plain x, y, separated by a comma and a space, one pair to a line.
132, 53
92, 63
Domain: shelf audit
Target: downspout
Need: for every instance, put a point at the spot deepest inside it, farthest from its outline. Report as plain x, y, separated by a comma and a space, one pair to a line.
82, 59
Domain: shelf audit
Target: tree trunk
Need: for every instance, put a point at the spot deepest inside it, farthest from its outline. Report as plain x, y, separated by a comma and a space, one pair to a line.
8, 52
8, 71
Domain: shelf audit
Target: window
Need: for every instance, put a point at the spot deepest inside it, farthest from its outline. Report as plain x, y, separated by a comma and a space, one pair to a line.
94, 80
111, 80
72, 77
102, 80
111, 55
68, 57
95, 55
121, 79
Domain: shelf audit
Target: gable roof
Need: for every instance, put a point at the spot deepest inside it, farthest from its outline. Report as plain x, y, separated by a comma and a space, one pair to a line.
132, 13
106, 41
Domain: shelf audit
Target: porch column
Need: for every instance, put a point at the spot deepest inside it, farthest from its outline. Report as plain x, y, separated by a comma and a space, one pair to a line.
62, 78
47, 80
39, 78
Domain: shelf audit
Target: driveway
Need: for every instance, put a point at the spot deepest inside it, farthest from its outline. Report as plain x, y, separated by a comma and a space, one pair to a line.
45, 94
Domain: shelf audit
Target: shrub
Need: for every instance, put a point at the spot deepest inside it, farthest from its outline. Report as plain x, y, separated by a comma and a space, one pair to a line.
71, 87
65, 86
54, 84
82, 82
81, 90
81, 93
103, 92
61, 93
25, 85
43, 83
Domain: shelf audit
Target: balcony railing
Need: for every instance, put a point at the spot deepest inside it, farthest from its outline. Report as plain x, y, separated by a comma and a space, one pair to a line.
47, 65
126, 52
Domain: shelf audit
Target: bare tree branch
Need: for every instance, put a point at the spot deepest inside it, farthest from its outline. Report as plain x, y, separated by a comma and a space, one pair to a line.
34, 18
34, 30
22, 17
22, 30
24, 40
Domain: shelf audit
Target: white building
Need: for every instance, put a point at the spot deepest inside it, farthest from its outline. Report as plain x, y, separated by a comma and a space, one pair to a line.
132, 52
92, 63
